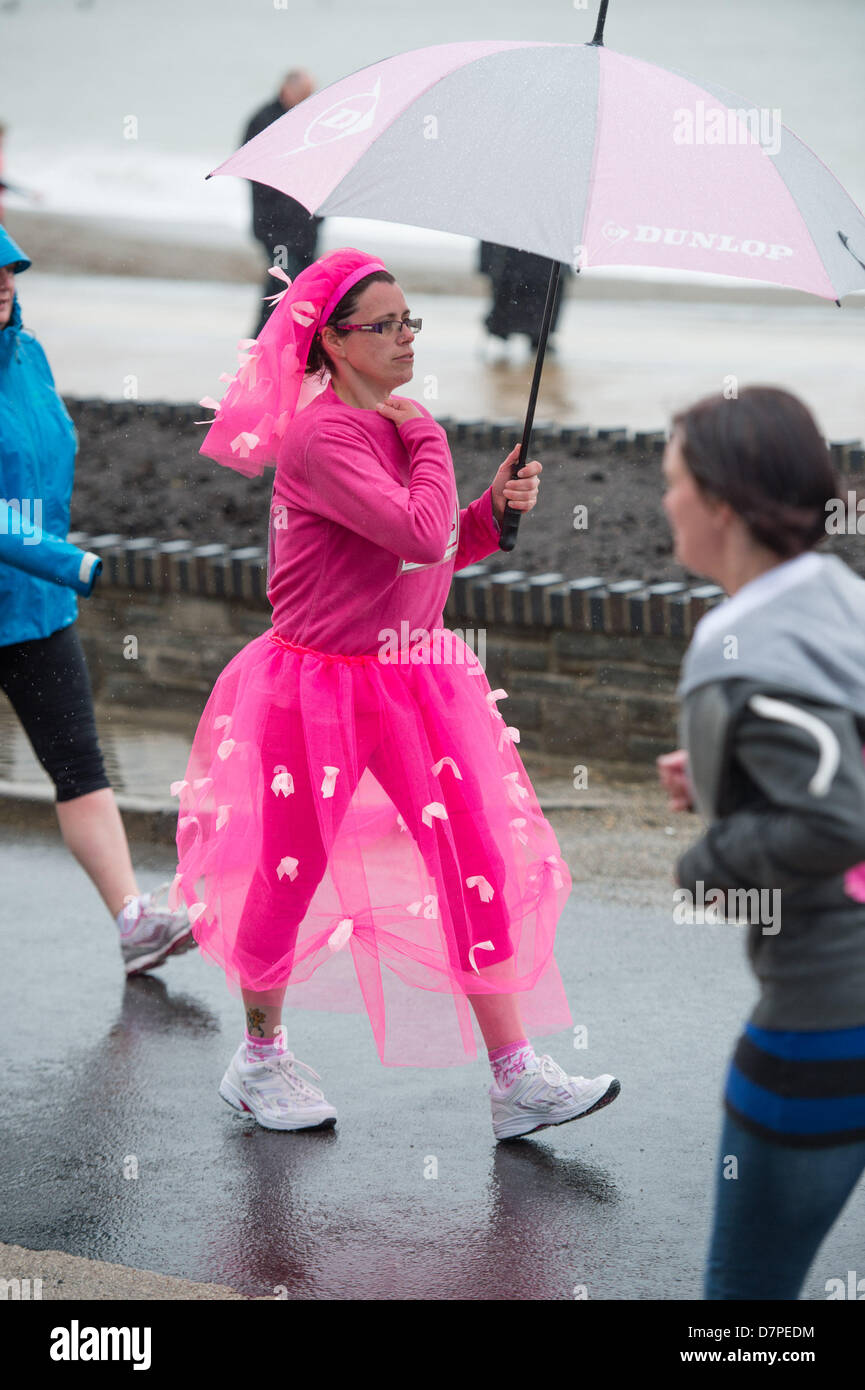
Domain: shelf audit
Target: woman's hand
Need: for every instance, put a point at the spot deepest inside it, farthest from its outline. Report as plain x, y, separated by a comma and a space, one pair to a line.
673, 772
521, 492
398, 409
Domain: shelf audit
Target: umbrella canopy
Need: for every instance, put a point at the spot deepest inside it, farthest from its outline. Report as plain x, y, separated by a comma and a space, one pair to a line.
575, 152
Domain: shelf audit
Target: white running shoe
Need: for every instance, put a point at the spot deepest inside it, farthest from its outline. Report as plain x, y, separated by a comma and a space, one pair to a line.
546, 1095
150, 933
274, 1094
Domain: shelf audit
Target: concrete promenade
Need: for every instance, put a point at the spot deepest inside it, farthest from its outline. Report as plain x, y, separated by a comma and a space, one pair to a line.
123, 1175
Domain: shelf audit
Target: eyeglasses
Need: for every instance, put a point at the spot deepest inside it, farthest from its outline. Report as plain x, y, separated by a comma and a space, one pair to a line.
390, 327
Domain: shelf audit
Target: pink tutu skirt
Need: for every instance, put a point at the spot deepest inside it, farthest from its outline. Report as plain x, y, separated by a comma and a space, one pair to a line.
365, 833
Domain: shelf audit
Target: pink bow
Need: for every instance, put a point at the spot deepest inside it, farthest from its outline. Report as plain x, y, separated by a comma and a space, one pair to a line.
486, 890
517, 827
329, 783
283, 782
515, 787
554, 864
479, 946
209, 404
304, 313
431, 908
340, 935
244, 444
279, 273
491, 697
437, 767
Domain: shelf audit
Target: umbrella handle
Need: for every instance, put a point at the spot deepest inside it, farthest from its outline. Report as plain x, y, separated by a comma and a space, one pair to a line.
511, 518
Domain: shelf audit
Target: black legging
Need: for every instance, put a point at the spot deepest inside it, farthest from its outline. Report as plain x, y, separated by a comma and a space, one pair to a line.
48, 687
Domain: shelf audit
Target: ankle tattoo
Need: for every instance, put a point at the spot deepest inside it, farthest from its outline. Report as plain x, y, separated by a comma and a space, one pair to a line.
255, 1023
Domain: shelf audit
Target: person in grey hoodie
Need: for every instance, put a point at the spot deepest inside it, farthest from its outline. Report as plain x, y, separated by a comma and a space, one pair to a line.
773, 725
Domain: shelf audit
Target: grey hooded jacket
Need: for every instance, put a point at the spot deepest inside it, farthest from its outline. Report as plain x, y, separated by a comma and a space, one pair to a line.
773, 720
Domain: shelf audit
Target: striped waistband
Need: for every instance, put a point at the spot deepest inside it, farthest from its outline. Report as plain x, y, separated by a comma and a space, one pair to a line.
800, 1089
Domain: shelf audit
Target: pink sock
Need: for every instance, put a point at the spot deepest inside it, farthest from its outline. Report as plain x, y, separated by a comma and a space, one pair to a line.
262, 1049
509, 1061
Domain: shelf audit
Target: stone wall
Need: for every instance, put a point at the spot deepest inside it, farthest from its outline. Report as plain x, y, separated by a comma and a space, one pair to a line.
589, 667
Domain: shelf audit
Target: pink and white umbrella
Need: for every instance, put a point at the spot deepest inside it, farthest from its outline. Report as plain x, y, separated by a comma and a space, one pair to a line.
574, 152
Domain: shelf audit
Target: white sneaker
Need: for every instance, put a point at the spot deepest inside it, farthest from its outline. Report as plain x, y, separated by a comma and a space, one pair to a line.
150, 933
273, 1092
546, 1095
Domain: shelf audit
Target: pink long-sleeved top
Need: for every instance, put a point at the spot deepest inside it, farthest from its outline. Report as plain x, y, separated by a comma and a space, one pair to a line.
366, 528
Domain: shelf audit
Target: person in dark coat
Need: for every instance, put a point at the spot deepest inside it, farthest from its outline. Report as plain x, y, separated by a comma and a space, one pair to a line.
287, 232
519, 281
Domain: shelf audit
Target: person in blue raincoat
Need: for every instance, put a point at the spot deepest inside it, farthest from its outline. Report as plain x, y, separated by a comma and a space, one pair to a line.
42, 667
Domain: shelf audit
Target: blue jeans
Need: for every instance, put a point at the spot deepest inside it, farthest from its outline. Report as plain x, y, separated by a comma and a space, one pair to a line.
771, 1219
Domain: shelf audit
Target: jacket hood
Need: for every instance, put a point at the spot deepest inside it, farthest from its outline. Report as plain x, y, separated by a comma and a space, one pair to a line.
808, 639
11, 253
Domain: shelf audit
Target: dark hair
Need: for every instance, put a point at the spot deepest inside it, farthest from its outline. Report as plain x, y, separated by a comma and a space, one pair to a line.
318, 360
762, 453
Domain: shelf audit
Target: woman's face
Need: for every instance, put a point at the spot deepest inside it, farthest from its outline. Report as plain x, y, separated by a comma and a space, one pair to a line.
697, 522
7, 293
381, 359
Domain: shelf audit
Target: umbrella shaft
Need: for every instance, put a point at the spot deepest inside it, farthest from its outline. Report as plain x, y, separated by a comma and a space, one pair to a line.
511, 521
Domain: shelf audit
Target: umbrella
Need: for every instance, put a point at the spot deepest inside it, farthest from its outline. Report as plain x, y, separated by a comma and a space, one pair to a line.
574, 152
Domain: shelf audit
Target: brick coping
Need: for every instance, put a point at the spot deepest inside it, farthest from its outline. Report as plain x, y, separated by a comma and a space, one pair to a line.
479, 594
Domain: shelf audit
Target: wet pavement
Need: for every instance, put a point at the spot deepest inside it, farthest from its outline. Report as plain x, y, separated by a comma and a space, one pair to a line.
116, 1146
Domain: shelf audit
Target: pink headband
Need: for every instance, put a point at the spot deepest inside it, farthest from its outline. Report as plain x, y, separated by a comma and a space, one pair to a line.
348, 283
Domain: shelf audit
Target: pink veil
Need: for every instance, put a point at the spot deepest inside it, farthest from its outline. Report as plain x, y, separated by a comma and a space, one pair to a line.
269, 387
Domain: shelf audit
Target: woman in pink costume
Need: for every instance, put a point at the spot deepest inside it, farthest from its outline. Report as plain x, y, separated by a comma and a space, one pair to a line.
356, 828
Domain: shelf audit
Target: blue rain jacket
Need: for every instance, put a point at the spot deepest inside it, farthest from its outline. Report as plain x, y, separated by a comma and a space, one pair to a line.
38, 445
